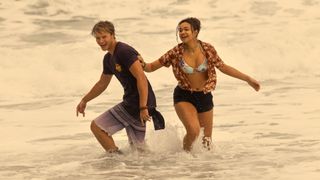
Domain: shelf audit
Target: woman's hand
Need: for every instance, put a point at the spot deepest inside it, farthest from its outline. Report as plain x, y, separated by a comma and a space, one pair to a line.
254, 84
143, 64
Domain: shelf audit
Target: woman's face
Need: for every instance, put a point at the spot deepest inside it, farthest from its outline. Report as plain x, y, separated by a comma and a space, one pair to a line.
186, 33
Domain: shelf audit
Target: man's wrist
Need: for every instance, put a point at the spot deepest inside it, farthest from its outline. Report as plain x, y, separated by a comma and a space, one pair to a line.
143, 108
83, 100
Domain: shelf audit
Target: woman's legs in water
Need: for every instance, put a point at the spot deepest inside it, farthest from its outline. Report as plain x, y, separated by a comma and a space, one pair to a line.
206, 121
188, 115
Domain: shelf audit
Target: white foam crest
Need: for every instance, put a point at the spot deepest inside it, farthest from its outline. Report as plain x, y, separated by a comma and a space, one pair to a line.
168, 140
48, 70
279, 40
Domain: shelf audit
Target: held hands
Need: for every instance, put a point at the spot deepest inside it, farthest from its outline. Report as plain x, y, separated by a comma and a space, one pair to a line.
143, 64
254, 84
81, 107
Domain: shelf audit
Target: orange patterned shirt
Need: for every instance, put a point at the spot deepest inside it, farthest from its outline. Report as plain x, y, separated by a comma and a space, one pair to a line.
174, 55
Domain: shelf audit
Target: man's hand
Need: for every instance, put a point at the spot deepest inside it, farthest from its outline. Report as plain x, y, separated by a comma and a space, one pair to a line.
144, 116
81, 107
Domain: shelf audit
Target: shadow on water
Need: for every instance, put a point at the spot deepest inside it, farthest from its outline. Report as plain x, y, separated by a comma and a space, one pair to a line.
74, 23
45, 38
78, 136
276, 135
34, 105
50, 29
310, 2
40, 8
265, 8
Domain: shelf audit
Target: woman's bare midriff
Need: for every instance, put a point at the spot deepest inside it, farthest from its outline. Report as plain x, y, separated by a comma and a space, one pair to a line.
197, 80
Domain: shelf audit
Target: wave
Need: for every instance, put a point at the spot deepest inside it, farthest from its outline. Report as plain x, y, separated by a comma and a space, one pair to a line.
47, 50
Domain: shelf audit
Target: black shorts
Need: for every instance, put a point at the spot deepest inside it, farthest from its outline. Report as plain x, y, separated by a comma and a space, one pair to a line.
201, 101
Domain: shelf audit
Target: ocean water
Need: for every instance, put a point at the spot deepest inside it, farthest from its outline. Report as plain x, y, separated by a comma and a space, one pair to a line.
49, 60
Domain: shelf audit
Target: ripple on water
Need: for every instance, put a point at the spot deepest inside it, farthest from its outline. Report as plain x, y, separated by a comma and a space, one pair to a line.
265, 8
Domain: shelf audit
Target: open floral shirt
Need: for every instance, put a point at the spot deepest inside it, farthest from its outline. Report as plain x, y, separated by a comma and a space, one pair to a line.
173, 56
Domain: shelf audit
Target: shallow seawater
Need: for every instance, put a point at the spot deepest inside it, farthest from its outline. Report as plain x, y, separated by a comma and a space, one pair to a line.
48, 61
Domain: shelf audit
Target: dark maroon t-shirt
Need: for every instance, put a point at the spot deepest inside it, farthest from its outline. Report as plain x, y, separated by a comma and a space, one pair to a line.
118, 64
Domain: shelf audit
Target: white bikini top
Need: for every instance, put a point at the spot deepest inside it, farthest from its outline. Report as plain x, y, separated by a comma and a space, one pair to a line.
190, 70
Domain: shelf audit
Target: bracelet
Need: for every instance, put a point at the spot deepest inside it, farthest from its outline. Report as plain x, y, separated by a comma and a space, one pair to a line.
143, 108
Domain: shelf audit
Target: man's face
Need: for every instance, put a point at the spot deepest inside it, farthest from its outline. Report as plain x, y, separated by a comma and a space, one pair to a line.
104, 40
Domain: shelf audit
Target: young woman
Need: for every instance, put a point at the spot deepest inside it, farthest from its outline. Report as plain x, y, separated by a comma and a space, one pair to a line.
193, 63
